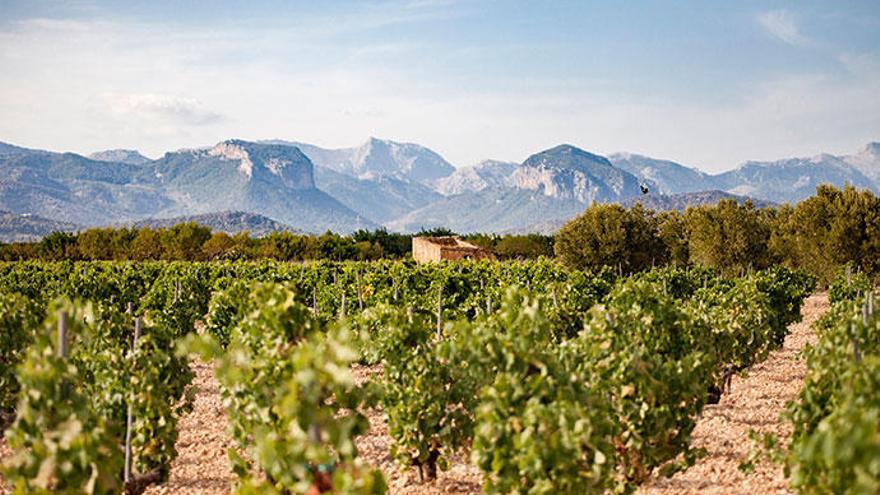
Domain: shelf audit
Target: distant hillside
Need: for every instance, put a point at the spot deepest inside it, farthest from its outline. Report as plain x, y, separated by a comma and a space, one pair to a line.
26, 228
487, 174
233, 175
568, 172
379, 158
230, 222
663, 176
489, 210
402, 186
656, 202
787, 180
552, 185
680, 202
131, 157
380, 199
792, 179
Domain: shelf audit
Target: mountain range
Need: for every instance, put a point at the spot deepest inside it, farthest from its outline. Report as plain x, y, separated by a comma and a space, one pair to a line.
401, 186
228, 222
15, 227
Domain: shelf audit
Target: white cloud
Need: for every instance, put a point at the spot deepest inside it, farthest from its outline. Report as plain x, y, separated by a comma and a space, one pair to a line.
85, 86
866, 65
173, 109
782, 24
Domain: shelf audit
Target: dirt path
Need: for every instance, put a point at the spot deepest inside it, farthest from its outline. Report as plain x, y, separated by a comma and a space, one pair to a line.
5, 453
754, 402
202, 466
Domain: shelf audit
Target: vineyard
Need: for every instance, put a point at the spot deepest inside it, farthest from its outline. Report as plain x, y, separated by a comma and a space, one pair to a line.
545, 379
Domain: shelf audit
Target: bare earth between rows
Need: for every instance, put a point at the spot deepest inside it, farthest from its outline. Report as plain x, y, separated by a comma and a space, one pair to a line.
754, 403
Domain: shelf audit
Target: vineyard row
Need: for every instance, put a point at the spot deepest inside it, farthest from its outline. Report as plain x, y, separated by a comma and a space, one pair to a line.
554, 381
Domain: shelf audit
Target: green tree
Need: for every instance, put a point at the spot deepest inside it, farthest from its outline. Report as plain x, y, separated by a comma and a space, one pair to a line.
184, 241
393, 245
334, 247
608, 234
105, 243
284, 246
673, 232
218, 246
147, 245
728, 235
58, 245
825, 232
530, 246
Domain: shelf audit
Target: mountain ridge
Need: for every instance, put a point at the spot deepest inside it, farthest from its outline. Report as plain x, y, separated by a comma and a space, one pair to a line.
383, 182
568, 172
276, 181
16, 227
228, 222
119, 155
378, 158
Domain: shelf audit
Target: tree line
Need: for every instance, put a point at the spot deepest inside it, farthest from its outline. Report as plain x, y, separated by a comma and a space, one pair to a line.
821, 234
194, 242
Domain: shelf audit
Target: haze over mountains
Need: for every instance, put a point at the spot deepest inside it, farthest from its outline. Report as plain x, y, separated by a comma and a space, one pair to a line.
401, 186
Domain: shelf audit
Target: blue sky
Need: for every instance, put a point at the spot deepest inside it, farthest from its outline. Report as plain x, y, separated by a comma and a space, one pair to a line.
706, 83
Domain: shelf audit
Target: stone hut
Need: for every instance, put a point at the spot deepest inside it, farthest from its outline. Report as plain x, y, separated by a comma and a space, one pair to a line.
426, 249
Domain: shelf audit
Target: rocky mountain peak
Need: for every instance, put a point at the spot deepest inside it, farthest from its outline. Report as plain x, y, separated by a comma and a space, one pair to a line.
568, 172
566, 156
256, 159
377, 158
662, 176
232, 150
484, 175
867, 161
131, 157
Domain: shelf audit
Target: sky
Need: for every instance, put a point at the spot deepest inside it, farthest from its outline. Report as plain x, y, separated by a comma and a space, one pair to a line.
706, 83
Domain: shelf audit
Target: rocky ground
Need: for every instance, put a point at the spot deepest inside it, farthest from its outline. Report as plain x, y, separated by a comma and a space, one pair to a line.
754, 403
4, 453
202, 466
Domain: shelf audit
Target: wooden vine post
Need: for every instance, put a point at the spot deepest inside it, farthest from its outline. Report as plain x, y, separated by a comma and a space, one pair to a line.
855, 341
439, 312
870, 302
357, 275
315, 299
61, 350
129, 418
342, 309
867, 312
